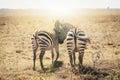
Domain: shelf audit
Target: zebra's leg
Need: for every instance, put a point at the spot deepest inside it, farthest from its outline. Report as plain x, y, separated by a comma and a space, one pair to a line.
57, 56
34, 47
34, 58
57, 52
74, 57
41, 58
71, 60
52, 55
81, 54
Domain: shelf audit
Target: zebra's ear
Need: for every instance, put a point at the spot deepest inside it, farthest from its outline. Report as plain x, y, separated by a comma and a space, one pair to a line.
57, 30
57, 27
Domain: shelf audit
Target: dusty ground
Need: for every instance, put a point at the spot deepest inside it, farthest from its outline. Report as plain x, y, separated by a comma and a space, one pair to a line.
102, 56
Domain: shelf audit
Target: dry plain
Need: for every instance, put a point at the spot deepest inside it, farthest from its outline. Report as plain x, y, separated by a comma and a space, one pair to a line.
101, 59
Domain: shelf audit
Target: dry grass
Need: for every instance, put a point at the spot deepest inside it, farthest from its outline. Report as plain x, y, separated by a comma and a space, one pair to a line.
101, 60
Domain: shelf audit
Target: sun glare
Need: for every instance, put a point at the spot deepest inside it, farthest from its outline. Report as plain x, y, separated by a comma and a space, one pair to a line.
60, 8
60, 11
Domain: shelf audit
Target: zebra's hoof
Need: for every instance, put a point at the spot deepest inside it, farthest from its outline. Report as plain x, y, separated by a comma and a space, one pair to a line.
42, 71
34, 69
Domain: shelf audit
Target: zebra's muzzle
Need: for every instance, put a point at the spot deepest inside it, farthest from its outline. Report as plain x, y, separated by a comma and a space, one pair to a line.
60, 41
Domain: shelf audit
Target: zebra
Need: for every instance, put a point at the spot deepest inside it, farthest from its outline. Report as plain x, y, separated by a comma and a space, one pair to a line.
49, 41
76, 41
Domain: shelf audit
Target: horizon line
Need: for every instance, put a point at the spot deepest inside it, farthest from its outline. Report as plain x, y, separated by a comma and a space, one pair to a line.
46, 9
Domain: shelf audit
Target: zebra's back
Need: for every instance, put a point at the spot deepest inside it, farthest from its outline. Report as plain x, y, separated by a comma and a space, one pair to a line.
44, 40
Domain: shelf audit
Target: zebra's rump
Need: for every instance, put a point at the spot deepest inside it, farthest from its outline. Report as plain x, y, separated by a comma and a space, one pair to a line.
76, 40
44, 40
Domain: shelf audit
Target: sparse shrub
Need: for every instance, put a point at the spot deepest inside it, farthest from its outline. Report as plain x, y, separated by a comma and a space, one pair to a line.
2, 24
19, 51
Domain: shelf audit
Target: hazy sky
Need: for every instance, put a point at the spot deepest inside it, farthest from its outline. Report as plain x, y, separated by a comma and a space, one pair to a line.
51, 4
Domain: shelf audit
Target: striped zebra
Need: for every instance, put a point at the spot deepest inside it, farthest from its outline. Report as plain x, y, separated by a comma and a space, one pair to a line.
49, 41
76, 42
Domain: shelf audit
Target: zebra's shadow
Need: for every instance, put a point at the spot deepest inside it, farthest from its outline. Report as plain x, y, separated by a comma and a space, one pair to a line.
53, 67
91, 71
56, 65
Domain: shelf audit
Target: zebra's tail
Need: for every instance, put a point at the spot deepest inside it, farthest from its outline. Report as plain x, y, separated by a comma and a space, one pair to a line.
34, 42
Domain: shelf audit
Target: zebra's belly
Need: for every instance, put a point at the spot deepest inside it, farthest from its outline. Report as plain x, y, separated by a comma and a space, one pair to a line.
78, 49
45, 47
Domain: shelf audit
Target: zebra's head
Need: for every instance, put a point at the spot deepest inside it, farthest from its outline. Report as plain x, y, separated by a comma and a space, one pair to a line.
61, 30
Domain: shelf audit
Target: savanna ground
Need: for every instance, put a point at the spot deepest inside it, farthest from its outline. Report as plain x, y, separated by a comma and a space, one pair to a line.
101, 59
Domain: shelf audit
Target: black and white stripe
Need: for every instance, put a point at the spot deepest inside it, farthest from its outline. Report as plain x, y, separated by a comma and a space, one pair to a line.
45, 41
49, 41
76, 42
